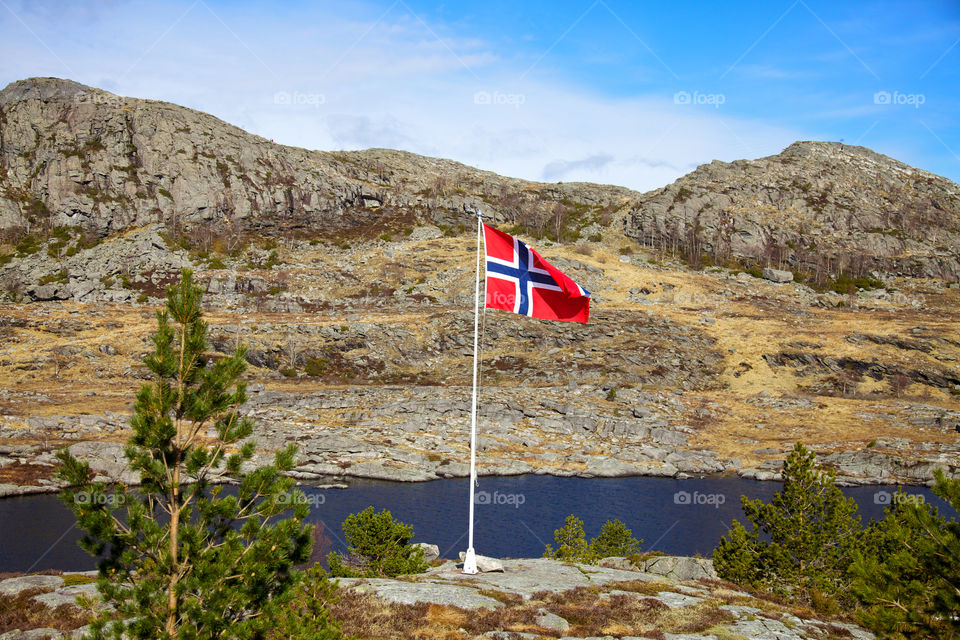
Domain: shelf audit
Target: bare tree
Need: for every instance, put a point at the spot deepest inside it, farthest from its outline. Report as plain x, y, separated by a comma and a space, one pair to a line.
559, 220
898, 384
292, 348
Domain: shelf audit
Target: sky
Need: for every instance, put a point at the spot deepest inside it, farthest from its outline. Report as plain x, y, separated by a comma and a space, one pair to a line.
610, 91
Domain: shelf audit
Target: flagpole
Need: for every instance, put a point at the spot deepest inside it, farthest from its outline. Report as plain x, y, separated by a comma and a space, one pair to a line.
470, 559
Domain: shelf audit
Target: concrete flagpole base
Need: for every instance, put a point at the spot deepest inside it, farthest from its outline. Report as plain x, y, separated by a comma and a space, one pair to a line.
470, 562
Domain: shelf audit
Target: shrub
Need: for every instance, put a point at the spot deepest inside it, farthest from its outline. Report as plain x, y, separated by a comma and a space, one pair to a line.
377, 546
216, 262
801, 542
61, 277
906, 573
615, 539
28, 245
571, 542
307, 615
316, 367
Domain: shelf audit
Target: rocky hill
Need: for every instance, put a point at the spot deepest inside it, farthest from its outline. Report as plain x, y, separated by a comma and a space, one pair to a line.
72, 155
349, 277
819, 208
75, 156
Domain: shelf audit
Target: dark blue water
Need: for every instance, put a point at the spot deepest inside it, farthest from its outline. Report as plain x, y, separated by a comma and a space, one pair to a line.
515, 517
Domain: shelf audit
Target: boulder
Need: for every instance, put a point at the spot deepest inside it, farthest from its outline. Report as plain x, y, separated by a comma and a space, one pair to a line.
485, 564
430, 551
615, 562
678, 600
50, 291
106, 459
67, 595
777, 275
33, 634
403, 592
679, 567
13, 586
551, 621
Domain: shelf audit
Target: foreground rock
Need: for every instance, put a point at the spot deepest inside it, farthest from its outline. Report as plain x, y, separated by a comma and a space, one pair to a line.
546, 588
531, 598
484, 563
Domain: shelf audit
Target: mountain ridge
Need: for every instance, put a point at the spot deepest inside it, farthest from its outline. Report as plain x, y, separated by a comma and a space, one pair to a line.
72, 155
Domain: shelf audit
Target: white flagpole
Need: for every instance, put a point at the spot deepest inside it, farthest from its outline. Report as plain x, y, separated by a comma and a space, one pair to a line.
470, 559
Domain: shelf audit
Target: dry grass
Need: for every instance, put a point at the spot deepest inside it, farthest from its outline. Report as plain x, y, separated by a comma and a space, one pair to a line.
590, 612
366, 616
25, 474
23, 612
749, 321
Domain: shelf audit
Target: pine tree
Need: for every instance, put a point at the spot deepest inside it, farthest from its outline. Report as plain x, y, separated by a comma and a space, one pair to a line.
307, 616
907, 574
377, 546
615, 539
179, 558
800, 545
571, 542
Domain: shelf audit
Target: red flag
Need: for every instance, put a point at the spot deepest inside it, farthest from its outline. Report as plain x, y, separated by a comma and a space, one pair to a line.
519, 280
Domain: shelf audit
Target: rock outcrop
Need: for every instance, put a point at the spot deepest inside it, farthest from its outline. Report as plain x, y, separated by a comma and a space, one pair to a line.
530, 599
80, 156
75, 156
820, 207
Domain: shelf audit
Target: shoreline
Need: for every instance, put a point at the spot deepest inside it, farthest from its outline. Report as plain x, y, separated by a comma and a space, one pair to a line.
415, 434
343, 481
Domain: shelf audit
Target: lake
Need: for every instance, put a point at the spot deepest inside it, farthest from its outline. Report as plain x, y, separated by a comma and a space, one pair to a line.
515, 516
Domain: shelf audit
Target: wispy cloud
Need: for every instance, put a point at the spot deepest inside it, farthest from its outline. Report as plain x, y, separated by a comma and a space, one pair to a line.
771, 72
560, 168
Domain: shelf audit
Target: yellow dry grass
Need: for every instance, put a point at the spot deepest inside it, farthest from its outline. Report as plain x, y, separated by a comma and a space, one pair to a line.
746, 321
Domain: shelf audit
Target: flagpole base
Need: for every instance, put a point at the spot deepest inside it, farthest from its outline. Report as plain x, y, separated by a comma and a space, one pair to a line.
470, 562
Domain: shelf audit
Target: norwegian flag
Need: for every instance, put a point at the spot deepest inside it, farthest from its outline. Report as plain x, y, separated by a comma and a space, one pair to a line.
519, 280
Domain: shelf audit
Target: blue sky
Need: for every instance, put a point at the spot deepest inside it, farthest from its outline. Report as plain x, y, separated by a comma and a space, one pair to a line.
630, 93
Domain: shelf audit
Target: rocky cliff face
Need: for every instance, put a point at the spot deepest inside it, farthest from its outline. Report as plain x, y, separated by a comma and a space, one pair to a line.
72, 155
820, 208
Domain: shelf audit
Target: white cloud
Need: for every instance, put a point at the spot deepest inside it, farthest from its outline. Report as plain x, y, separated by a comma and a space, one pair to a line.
560, 168
388, 84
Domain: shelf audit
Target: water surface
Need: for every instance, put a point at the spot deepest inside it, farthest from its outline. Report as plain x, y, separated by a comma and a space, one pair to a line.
515, 516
